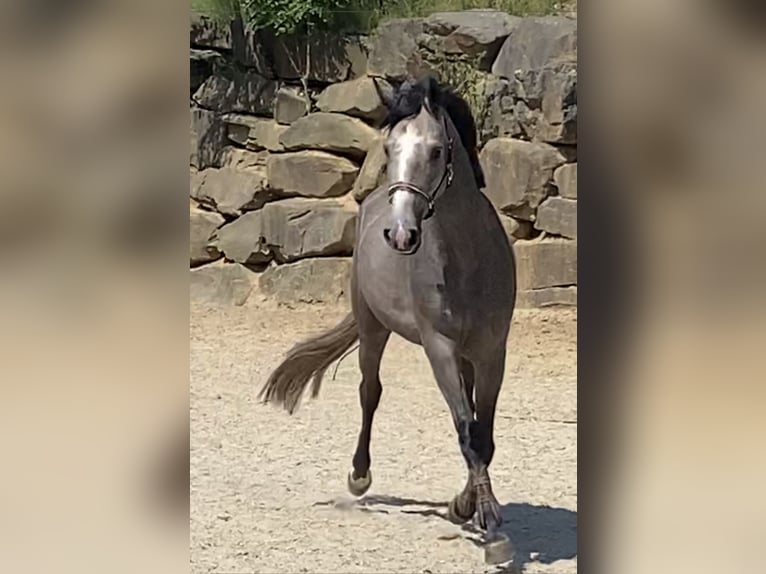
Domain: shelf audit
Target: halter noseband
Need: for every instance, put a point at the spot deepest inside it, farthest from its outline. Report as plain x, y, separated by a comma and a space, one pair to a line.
430, 198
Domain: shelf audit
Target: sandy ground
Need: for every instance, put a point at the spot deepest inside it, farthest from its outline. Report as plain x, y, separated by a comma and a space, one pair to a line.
268, 491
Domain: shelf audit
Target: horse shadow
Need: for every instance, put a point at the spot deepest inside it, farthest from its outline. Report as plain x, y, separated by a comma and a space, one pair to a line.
548, 533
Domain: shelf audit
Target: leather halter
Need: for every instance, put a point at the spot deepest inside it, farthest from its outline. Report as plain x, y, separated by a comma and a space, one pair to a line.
430, 198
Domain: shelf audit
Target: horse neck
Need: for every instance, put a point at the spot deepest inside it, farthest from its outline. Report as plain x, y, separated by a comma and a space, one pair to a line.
463, 190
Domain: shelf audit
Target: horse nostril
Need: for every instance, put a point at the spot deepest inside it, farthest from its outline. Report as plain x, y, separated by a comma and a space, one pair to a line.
387, 234
414, 236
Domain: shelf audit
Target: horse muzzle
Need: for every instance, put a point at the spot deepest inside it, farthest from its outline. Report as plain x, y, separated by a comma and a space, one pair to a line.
402, 239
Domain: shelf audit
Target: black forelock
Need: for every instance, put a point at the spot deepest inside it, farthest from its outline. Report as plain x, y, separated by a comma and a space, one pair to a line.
413, 95
410, 98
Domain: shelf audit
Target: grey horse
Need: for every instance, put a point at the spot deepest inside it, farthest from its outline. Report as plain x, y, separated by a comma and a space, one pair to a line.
433, 264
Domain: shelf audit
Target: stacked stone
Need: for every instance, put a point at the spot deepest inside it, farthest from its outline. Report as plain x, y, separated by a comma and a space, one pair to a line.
526, 71
273, 168
275, 171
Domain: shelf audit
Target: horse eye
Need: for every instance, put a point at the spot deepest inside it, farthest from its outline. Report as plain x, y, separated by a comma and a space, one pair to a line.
436, 153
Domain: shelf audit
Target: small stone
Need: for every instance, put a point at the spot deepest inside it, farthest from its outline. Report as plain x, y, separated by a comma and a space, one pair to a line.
565, 179
394, 52
558, 216
299, 228
202, 226
330, 132
206, 32
221, 283
547, 297
242, 240
208, 137
545, 263
320, 280
518, 172
516, 228
311, 174
535, 43
358, 98
290, 105
232, 192
237, 91
372, 174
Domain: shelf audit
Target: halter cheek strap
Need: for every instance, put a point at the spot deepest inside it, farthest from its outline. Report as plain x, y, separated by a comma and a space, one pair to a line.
430, 198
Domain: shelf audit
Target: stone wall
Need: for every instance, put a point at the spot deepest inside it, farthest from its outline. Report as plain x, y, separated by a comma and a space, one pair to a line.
284, 144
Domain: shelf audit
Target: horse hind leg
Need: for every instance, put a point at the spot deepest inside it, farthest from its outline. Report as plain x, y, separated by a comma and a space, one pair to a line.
372, 341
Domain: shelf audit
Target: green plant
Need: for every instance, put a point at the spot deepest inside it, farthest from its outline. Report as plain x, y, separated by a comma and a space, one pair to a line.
289, 16
221, 10
464, 77
413, 8
302, 16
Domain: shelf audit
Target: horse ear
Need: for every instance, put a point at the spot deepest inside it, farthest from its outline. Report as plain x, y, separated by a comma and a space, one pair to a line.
385, 92
432, 93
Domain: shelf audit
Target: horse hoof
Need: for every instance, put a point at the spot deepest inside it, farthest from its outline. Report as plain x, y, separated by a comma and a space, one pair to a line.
358, 486
454, 514
498, 550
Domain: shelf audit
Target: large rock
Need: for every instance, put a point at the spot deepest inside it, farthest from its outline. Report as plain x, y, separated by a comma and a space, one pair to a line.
536, 105
535, 43
205, 32
515, 229
558, 104
311, 174
358, 98
299, 228
202, 64
548, 297
330, 132
243, 240
195, 180
234, 90
558, 215
232, 192
221, 284
244, 159
208, 137
373, 172
320, 280
518, 173
545, 263
477, 33
290, 106
331, 57
565, 179
254, 133
238, 127
394, 53
202, 226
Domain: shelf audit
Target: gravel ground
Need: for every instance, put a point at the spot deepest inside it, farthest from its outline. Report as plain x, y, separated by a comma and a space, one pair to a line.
268, 491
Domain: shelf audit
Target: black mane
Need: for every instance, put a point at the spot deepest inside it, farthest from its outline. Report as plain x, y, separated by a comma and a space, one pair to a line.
412, 95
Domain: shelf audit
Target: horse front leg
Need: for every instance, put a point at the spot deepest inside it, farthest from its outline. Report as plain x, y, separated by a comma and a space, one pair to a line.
372, 342
448, 368
489, 379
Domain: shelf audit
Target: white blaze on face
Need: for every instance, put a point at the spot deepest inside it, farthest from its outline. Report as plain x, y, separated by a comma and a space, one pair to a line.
405, 150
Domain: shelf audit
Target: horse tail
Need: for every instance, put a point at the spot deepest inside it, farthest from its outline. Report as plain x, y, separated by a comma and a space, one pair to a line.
308, 361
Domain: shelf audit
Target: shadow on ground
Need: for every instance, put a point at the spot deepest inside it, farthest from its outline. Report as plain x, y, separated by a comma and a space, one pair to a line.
550, 533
